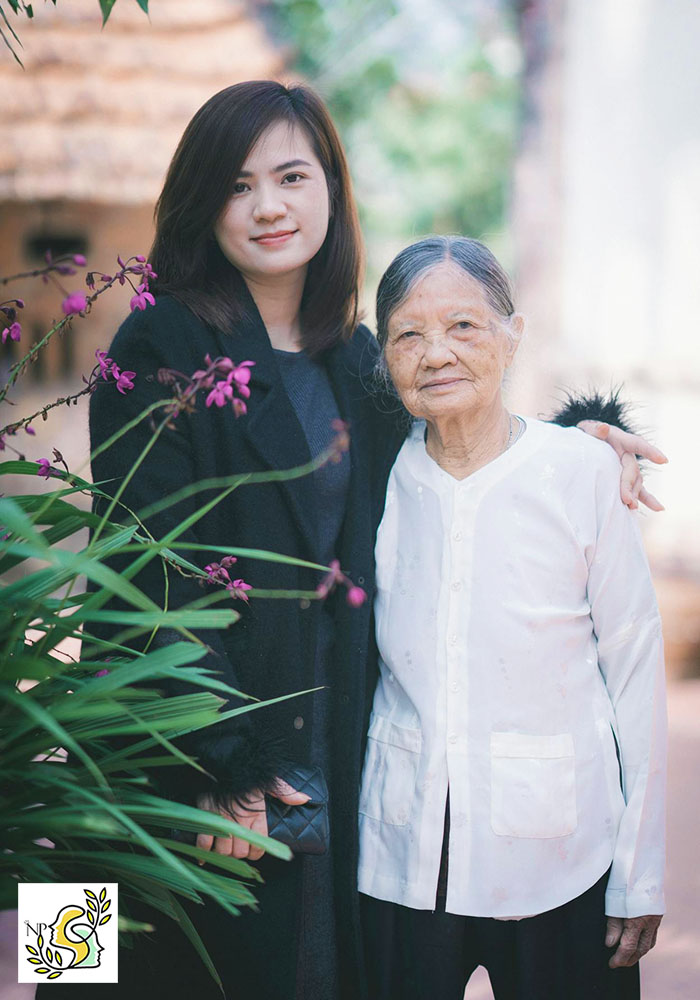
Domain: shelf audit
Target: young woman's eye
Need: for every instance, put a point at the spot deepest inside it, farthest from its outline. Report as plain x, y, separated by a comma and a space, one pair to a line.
292, 178
239, 187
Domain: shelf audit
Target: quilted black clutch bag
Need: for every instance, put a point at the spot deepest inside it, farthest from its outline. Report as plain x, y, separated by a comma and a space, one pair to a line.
305, 829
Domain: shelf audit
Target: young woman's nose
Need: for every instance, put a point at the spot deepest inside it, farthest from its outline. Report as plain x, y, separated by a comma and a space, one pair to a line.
268, 204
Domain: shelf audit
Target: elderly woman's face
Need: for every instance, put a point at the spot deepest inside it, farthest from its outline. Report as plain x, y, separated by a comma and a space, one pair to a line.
447, 348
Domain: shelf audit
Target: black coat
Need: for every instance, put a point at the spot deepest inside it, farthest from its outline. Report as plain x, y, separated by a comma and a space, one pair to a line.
271, 650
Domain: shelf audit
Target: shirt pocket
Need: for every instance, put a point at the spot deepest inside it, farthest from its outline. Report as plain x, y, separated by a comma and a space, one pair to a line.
533, 785
390, 771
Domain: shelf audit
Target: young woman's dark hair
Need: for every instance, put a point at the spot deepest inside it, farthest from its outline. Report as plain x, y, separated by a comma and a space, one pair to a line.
199, 182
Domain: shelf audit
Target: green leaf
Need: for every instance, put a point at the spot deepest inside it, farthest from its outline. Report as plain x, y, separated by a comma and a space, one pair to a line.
261, 554
67, 565
16, 467
38, 715
6, 40
13, 517
132, 926
143, 4
106, 8
190, 619
191, 932
16, 553
233, 865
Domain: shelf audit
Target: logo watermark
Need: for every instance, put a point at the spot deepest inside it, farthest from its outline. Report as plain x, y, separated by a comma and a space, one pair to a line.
67, 932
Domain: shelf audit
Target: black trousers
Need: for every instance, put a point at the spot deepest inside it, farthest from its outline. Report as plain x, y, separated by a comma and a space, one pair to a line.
431, 954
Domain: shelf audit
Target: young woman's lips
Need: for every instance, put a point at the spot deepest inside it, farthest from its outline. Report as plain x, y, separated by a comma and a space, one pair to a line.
274, 239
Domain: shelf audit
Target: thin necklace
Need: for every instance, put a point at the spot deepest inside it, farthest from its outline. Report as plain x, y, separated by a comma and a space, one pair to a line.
521, 427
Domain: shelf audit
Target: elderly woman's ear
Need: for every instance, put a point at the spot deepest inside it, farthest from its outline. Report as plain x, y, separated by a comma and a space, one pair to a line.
516, 328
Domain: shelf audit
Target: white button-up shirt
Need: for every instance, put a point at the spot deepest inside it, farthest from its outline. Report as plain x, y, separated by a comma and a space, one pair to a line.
520, 645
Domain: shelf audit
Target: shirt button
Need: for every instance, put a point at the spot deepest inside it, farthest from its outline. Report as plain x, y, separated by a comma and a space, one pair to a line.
420, 489
456, 585
298, 722
360, 580
454, 686
453, 640
457, 536
452, 738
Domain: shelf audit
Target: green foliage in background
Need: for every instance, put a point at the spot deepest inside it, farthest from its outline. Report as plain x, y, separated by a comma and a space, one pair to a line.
10, 36
427, 100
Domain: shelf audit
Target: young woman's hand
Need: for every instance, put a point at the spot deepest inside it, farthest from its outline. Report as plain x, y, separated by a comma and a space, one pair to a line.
634, 936
250, 814
627, 447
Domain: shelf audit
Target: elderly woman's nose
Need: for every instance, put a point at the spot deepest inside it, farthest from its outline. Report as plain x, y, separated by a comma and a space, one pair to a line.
438, 351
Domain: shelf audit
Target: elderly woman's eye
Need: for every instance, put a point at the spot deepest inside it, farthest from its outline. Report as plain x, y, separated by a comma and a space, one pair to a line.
464, 324
406, 333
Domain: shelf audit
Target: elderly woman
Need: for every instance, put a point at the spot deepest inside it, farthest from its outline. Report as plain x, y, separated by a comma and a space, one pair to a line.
512, 801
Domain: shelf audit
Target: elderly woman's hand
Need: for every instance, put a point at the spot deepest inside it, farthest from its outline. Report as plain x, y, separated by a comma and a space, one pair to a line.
627, 447
634, 937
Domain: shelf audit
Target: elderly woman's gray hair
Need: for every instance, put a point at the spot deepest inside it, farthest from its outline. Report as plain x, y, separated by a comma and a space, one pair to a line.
406, 268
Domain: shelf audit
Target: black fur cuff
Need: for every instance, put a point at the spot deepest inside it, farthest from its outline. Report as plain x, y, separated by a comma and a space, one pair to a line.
609, 409
239, 759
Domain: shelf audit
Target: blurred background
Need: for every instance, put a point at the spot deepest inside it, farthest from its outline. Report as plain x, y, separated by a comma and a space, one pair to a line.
564, 133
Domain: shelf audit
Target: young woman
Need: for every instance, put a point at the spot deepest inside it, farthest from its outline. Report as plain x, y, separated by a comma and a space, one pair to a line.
258, 257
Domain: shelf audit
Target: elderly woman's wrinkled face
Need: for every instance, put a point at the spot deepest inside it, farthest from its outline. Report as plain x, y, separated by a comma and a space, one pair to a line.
447, 348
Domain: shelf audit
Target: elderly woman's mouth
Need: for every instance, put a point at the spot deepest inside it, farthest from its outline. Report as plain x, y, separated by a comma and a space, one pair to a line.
443, 383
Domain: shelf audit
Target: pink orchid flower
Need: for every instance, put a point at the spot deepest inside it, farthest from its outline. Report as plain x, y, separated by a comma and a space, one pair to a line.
220, 394
13, 331
124, 380
237, 589
142, 298
74, 303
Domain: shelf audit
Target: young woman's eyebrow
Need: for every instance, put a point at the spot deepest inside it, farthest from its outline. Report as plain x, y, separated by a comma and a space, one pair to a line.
280, 168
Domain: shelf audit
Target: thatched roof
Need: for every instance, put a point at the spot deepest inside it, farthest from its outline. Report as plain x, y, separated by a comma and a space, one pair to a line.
96, 114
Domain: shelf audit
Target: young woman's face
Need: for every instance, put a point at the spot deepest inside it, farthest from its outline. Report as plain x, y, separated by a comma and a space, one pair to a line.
277, 217
447, 348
